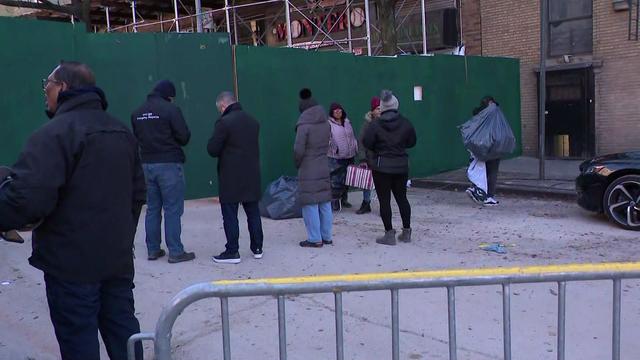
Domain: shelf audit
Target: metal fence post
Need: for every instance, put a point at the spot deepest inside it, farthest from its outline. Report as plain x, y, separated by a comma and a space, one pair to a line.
395, 325
282, 328
617, 294
562, 288
339, 327
451, 306
506, 318
226, 341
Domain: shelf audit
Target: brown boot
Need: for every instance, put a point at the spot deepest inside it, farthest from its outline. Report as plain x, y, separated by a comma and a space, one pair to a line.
389, 238
405, 236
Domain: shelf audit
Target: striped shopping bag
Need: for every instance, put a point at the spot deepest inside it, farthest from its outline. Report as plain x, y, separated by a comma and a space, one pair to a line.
359, 177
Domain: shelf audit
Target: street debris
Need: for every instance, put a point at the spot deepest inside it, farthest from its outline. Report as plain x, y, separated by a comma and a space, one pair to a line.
494, 247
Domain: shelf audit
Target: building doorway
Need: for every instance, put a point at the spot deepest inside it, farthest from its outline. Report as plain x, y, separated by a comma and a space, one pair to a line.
570, 122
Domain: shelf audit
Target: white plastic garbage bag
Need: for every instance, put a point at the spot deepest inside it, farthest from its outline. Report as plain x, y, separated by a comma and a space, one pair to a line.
477, 174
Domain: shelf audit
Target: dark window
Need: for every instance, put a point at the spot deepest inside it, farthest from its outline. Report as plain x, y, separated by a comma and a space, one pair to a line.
570, 27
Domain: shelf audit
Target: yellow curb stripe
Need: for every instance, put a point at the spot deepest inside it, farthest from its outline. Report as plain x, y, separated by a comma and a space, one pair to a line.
450, 273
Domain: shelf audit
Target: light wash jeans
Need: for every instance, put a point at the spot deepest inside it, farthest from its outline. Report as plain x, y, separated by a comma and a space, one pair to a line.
318, 220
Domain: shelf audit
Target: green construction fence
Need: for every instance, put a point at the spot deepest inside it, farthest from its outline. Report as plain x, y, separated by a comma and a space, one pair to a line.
268, 81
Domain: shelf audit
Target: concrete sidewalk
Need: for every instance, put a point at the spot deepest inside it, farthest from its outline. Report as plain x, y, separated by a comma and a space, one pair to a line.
448, 229
517, 176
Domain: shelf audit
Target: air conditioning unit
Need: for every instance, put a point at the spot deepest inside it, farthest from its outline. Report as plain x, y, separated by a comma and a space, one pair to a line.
620, 5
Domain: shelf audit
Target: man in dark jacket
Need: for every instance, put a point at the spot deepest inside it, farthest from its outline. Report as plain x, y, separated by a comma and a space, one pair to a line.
388, 138
236, 145
162, 132
80, 173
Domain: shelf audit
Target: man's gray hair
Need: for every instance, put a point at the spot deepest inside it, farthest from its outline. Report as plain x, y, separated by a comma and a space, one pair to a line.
74, 74
226, 98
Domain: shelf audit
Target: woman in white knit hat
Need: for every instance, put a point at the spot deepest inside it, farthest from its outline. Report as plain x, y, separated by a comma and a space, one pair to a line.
389, 137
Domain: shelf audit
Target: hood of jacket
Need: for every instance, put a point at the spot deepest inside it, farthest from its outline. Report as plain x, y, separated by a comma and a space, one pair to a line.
312, 115
390, 120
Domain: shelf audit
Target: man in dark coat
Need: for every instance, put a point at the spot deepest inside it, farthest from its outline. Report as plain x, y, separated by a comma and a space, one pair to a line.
80, 173
236, 144
314, 188
162, 132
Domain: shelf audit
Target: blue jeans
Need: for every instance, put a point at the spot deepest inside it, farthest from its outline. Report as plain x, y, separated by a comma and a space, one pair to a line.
366, 196
338, 167
232, 230
165, 191
79, 310
318, 220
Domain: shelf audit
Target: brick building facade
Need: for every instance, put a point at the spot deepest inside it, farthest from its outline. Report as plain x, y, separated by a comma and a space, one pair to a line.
593, 93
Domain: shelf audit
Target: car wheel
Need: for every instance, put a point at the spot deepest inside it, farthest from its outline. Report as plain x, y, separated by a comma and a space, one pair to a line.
621, 202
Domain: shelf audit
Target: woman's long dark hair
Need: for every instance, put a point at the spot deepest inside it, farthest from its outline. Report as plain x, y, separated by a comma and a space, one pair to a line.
484, 103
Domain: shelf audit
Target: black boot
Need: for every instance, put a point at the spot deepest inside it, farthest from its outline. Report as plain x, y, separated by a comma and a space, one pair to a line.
344, 202
364, 208
335, 205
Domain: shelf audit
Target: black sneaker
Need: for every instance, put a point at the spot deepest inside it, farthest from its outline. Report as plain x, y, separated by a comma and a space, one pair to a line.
227, 258
308, 243
185, 256
257, 254
327, 242
156, 255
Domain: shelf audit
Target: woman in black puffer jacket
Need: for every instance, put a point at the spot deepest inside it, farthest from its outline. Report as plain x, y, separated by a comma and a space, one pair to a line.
388, 138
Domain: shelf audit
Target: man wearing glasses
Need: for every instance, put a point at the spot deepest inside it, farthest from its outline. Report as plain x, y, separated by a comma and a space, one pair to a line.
81, 175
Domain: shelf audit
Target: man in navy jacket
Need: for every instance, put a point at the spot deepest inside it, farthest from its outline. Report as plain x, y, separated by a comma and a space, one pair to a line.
162, 132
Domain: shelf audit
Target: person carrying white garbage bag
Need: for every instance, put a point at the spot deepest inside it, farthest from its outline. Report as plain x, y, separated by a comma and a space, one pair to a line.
477, 174
489, 138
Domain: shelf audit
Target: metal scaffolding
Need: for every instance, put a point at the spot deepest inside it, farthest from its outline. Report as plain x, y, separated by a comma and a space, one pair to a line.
308, 24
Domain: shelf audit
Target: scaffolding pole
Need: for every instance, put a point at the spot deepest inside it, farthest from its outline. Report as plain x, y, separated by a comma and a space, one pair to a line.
133, 15
198, 15
175, 11
424, 28
226, 12
349, 26
366, 15
106, 13
287, 14
235, 25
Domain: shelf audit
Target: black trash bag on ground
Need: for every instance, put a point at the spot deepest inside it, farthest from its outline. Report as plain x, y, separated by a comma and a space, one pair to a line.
488, 135
279, 200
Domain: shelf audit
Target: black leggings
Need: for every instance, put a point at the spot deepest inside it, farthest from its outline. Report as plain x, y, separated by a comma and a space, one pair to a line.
385, 185
492, 176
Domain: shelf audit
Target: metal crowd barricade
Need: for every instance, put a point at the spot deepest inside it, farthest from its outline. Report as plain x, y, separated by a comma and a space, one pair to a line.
394, 282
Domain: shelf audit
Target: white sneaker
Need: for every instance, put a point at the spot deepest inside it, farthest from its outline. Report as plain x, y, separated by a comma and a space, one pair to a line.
491, 202
257, 254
